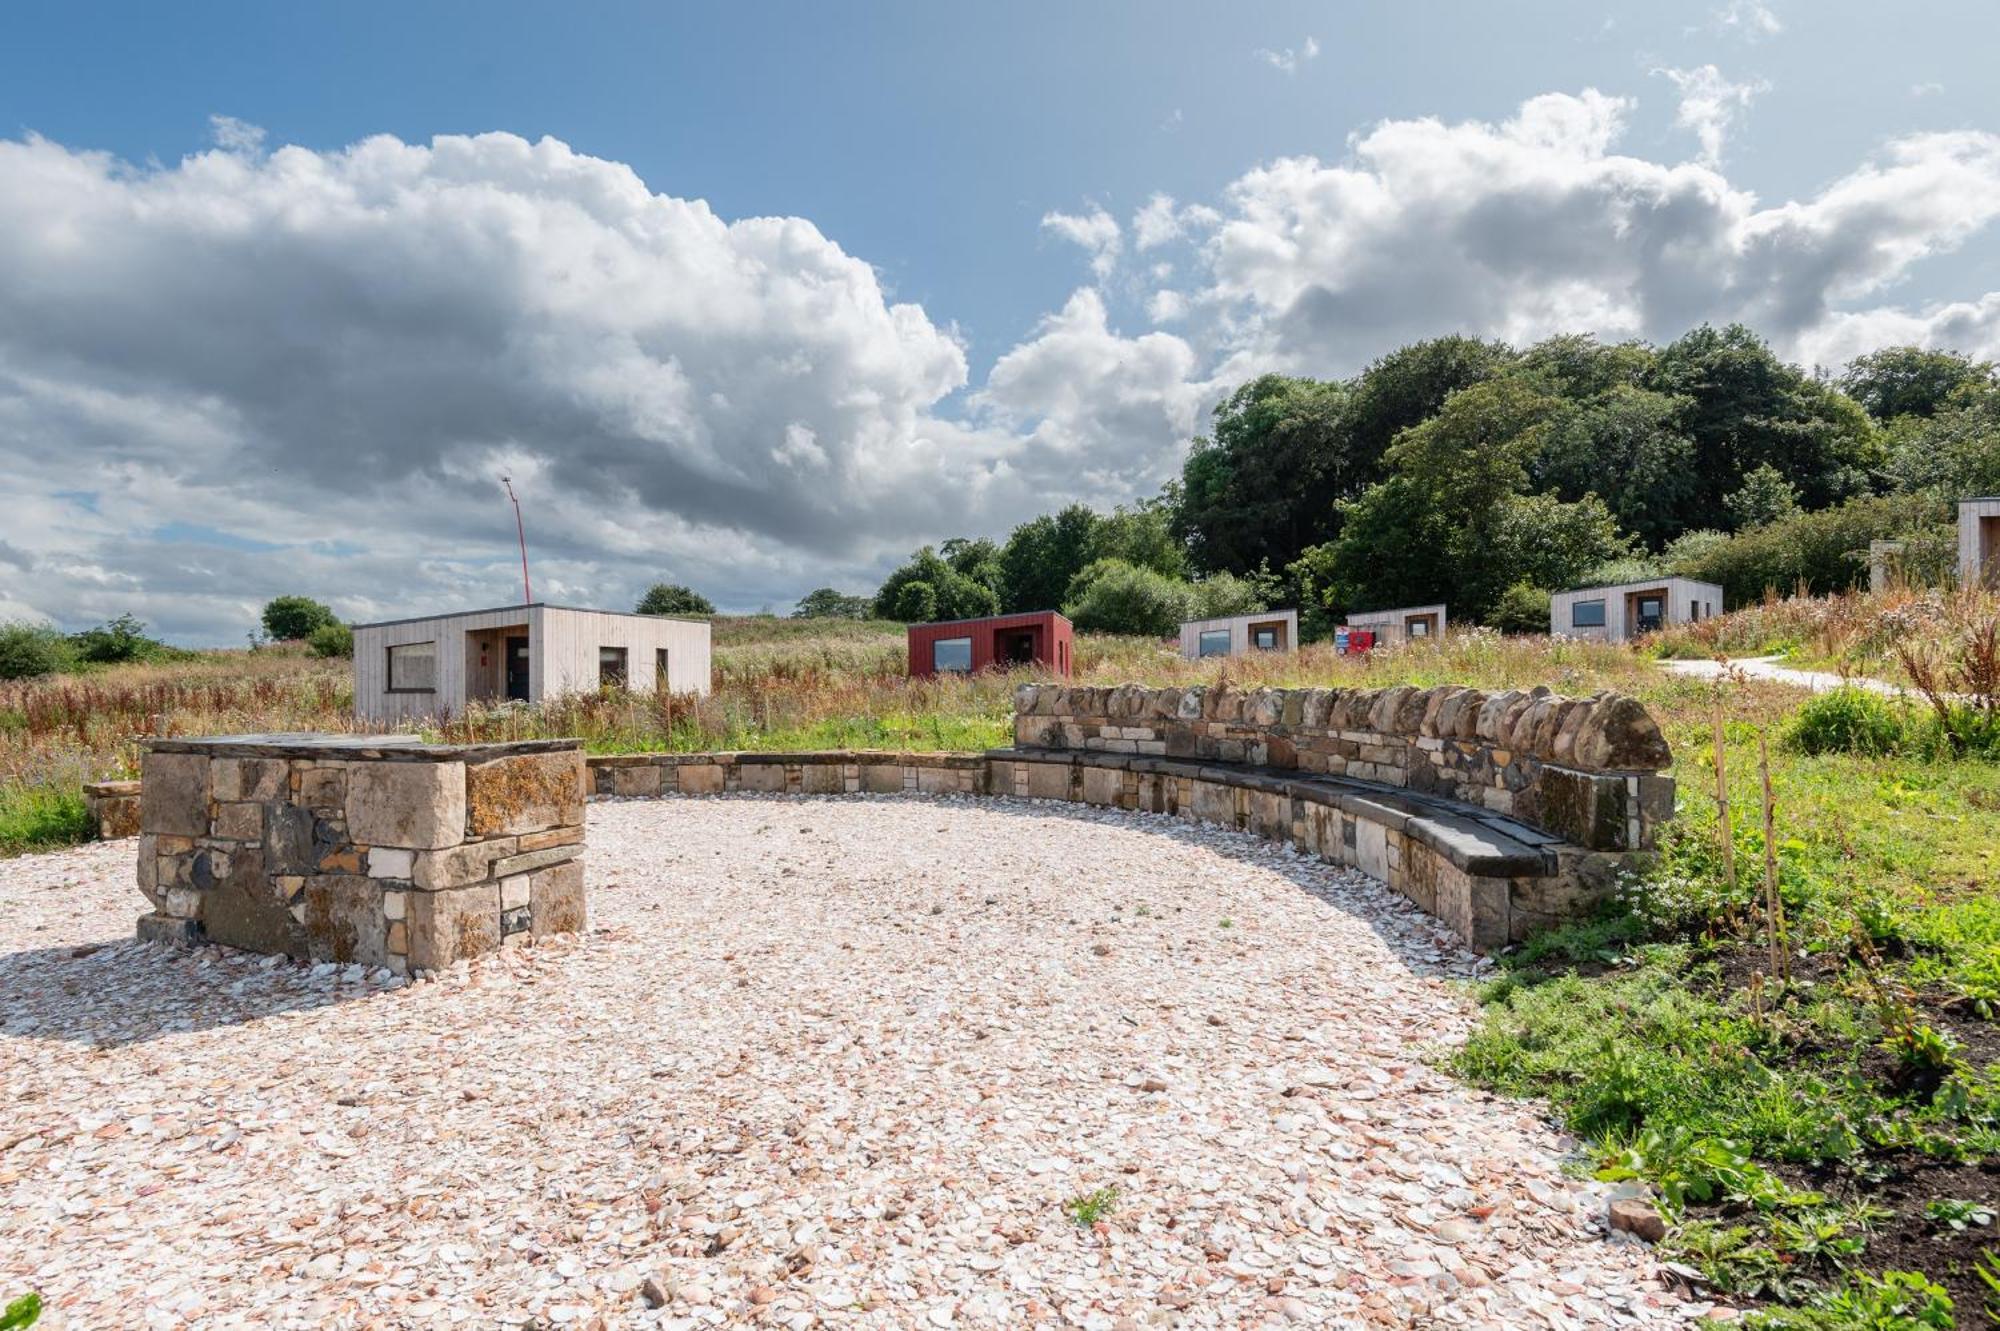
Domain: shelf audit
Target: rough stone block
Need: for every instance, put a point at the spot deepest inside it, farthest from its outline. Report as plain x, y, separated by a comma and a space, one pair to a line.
344, 920
556, 903
882, 778
699, 779
514, 892
555, 836
413, 805
1214, 803
1101, 786
456, 866
175, 794
767, 778
453, 924
1048, 781
523, 793
821, 779
535, 859
235, 779
167, 929
323, 787
389, 862
636, 780
239, 822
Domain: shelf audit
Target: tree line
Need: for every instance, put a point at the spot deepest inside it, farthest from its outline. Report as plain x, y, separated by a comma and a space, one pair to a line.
1485, 476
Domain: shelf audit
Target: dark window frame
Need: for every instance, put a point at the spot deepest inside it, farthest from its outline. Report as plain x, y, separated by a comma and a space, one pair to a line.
937, 669
1201, 638
623, 679
1576, 609
389, 651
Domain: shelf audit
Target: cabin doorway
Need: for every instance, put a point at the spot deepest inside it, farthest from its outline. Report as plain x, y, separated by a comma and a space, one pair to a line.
1646, 612
517, 667
1016, 647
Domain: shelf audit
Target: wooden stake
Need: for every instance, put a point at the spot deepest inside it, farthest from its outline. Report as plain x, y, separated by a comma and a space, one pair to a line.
1724, 831
1774, 904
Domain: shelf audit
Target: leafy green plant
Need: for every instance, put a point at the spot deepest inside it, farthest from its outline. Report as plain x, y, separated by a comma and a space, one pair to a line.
1956, 1213
1688, 1168
31, 650
22, 1313
1092, 1207
331, 640
1847, 720
1894, 1301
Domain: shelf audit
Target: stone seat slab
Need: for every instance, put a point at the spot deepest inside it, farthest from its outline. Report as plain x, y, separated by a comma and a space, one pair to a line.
1481, 843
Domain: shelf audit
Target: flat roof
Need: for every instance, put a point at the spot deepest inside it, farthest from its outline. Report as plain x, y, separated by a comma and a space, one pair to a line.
1439, 606
527, 605
991, 619
1231, 619
1660, 581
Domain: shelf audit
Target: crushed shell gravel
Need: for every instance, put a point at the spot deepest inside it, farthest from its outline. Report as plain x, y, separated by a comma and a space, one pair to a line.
840, 1062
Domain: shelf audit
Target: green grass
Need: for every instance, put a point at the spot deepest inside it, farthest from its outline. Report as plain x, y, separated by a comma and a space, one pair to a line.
1091, 1207
41, 818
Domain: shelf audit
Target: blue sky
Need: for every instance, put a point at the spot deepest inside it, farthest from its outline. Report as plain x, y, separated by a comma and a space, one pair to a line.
926, 144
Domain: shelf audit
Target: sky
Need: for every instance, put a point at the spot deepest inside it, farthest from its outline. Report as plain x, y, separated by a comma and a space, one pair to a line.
760, 297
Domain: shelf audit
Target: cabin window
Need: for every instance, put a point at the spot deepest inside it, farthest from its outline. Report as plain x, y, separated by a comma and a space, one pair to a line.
952, 656
1587, 615
661, 677
413, 667
1264, 637
1419, 628
611, 667
1214, 642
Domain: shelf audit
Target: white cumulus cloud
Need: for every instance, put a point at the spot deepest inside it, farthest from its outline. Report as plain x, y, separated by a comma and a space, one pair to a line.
1709, 105
1096, 232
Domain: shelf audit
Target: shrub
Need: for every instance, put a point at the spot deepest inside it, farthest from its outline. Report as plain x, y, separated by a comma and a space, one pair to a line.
1112, 596
670, 598
119, 640
331, 640
1847, 720
28, 650
295, 618
1824, 551
1521, 609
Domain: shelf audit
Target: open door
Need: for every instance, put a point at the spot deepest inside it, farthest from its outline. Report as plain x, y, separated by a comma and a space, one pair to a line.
517, 667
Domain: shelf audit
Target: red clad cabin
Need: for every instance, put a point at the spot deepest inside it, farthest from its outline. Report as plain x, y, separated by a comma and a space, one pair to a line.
961, 646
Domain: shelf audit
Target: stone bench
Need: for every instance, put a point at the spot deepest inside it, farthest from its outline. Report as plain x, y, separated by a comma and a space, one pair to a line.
1494, 879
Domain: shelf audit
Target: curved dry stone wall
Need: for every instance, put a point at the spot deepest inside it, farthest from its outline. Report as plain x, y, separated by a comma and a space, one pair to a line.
1502, 814
1586, 770
376, 850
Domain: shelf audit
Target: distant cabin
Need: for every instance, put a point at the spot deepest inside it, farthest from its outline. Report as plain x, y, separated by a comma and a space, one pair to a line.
1979, 542
1410, 623
438, 665
1239, 635
964, 646
1625, 610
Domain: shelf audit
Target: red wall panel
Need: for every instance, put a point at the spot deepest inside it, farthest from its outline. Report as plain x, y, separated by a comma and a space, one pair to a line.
1055, 641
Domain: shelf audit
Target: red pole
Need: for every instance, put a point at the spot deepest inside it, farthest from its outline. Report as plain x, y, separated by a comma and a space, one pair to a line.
527, 592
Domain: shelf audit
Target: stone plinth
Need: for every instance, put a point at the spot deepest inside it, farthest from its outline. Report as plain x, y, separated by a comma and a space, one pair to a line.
374, 849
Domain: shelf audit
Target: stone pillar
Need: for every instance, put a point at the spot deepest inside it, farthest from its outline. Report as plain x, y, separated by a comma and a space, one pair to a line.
374, 849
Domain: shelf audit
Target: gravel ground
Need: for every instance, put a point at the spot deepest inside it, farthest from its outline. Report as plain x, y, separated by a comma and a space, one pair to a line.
819, 1061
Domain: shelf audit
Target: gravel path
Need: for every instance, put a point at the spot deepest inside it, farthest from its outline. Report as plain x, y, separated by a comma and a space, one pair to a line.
1769, 667
819, 1062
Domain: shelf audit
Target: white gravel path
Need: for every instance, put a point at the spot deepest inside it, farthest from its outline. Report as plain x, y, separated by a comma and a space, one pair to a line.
819, 1062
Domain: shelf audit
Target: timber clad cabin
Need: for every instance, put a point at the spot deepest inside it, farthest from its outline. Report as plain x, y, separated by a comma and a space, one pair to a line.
966, 646
1408, 624
1622, 612
1239, 635
1979, 542
409, 669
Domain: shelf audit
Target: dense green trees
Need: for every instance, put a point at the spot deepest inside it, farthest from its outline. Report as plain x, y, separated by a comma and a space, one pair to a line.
1469, 472
827, 603
671, 598
293, 618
